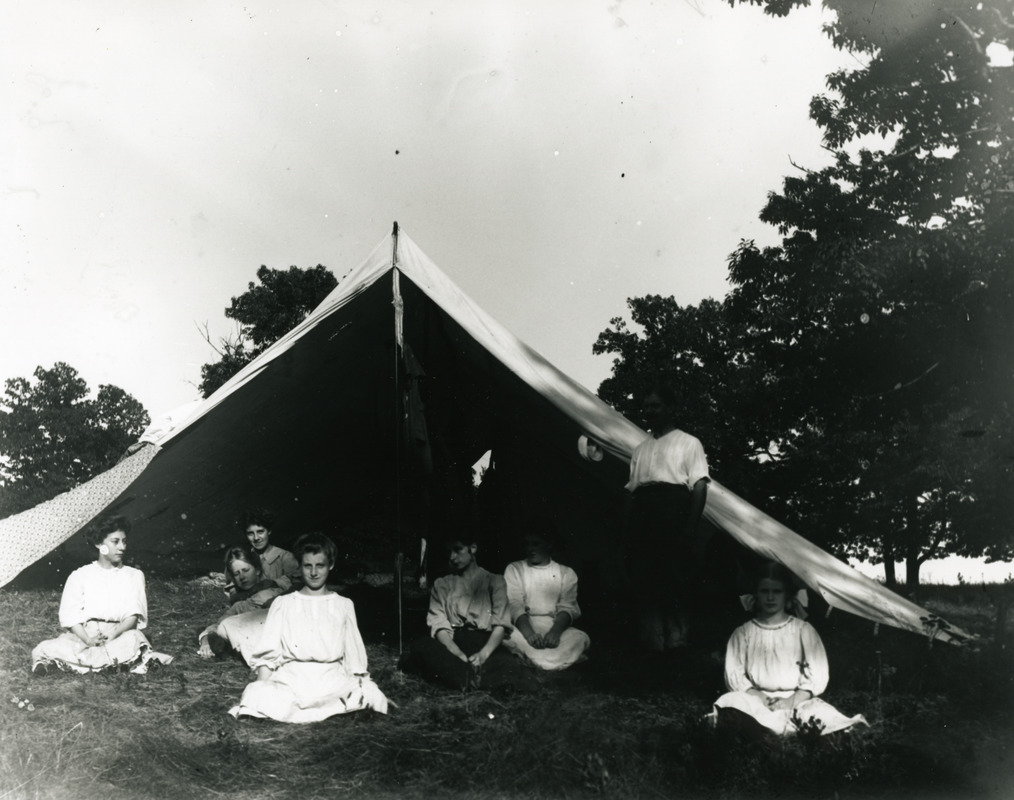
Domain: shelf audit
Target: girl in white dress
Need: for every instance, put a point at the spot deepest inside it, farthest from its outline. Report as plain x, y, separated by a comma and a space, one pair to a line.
250, 594
776, 666
542, 600
310, 660
104, 608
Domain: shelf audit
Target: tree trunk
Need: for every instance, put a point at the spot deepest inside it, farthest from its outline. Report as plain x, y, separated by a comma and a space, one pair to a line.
890, 576
913, 529
912, 564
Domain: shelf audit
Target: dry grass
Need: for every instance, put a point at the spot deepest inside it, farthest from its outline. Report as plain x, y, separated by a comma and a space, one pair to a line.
612, 728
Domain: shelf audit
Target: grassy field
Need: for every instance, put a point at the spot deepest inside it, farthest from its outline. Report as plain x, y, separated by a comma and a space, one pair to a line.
941, 722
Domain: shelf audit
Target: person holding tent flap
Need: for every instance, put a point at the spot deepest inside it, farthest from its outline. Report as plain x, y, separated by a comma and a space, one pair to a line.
663, 549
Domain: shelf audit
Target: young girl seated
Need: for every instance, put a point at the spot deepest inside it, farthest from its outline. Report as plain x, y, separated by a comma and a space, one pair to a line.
310, 660
542, 599
104, 609
776, 665
250, 594
468, 620
278, 565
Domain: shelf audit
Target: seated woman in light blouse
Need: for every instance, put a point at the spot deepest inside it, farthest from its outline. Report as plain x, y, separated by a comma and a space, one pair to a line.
103, 611
468, 621
776, 667
542, 600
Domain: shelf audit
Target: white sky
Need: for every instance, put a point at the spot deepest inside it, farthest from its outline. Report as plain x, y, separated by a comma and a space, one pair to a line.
553, 157
946, 570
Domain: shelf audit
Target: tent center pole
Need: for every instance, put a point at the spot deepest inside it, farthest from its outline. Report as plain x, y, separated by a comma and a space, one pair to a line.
399, 342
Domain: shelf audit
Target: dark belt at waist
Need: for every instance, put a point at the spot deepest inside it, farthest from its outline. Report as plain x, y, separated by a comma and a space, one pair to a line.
659, 488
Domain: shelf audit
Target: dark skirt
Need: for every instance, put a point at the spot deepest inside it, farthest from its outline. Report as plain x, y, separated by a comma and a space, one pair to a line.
660, 562
437, 663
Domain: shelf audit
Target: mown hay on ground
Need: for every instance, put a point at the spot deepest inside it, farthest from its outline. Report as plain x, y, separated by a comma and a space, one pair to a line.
617, 726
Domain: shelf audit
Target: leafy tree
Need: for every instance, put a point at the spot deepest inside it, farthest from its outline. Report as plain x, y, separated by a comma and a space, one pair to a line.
877, 336
54, 436
886, 311
265, 313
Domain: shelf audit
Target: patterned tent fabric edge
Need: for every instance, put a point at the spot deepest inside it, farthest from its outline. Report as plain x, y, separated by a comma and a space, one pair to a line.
30, 535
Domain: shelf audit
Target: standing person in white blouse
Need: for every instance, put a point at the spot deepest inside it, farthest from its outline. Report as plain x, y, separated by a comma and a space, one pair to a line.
542, 600
663, 548
103, 610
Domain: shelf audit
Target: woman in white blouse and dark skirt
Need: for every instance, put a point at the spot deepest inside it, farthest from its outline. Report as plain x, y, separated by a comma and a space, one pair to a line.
662, 545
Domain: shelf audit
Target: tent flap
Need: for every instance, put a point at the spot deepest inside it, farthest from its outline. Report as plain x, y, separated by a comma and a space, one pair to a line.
31, 535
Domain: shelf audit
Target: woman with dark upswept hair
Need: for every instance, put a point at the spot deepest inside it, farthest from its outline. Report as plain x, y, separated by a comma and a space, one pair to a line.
103, 610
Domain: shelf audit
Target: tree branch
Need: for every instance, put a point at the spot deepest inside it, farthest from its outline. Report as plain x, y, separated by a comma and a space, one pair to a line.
971, 34
899, 386
1002, 19
920, 146
206, 335
801, 169
931, 548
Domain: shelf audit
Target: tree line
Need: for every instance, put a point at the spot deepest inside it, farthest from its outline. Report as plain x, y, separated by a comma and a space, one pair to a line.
54, 435
857, 380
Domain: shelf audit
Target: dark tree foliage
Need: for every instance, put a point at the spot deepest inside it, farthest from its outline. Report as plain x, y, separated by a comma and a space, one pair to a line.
887, 309
697, 352
53, 436
265, 313
878, 335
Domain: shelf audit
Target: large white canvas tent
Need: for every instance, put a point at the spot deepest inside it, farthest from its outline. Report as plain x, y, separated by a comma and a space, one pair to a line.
366, 419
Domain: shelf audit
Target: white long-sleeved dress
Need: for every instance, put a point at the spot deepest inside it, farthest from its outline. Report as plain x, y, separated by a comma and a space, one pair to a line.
778, 660
312, 646
241, 626
542, 592
98, 599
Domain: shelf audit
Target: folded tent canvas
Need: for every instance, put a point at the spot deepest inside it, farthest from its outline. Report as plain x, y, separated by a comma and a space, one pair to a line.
364, 422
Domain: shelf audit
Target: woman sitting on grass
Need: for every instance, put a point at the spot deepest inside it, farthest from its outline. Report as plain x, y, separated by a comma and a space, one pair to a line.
776, 666
468, 619
310, 660
250, 594
104, 609
542, 600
